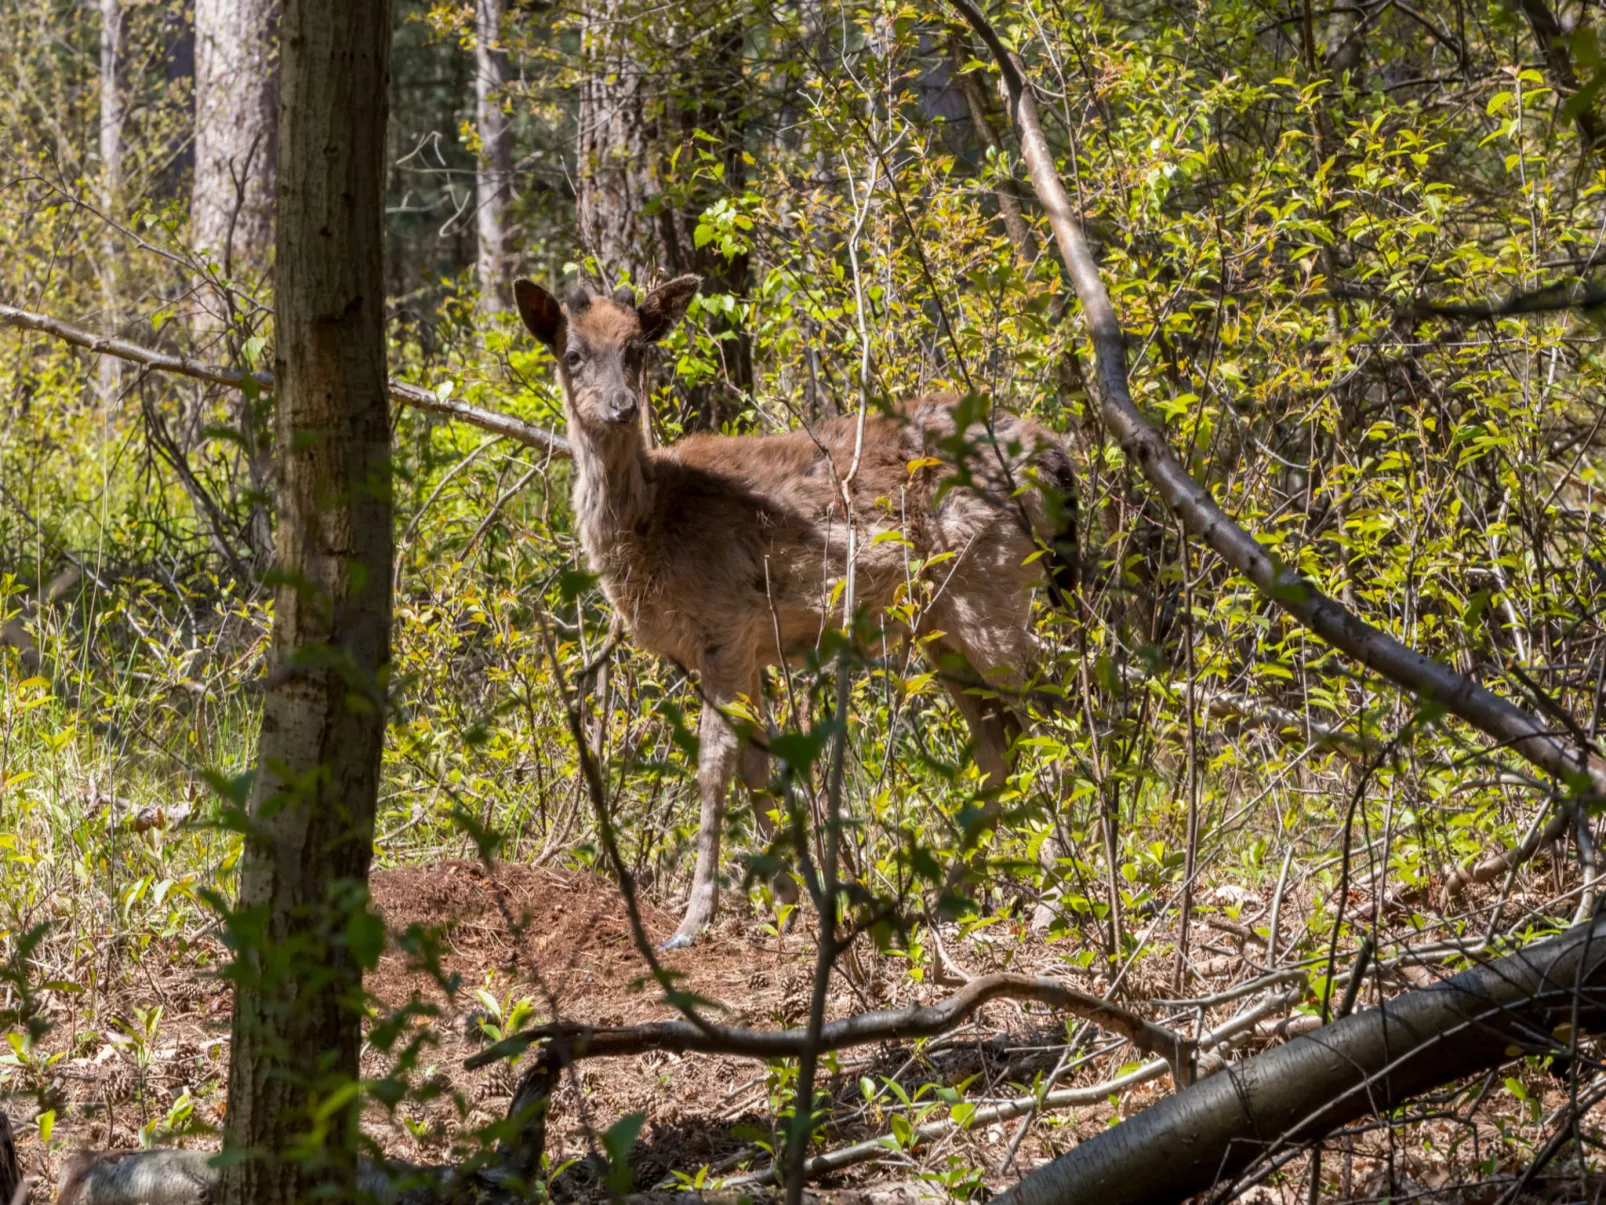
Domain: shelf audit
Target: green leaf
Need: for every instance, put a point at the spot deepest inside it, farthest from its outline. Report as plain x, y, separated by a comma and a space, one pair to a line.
617, 1140
902, 1131
365, 937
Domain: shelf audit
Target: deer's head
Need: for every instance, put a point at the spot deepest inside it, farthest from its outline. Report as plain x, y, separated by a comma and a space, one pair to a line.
600, 343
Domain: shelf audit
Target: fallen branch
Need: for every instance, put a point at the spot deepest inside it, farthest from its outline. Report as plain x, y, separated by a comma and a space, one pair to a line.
1496, 717
414, 396
578, 1041
876, 1148
1226, 1036
873, 1194
1368, 1063
1488, 869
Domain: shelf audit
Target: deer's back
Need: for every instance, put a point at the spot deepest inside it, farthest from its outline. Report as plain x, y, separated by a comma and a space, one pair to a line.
747, 533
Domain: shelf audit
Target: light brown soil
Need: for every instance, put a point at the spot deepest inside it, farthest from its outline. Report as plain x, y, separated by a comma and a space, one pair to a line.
563, 939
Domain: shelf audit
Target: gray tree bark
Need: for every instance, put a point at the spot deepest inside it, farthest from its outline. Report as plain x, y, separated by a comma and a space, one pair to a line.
108, 376
615, 177
236, 114
298, 1009
494, 183
111, 100
640, 101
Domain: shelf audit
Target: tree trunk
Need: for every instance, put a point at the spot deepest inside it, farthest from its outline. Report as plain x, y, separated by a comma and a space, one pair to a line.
1554, 43
108, 376
111, 101
10, 1168
708, 97
236, 110
1006, 192
614, 151
629, 131
494, 184
301, 932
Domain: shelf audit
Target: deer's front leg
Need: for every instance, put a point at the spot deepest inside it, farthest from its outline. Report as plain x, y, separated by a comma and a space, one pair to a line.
716, 761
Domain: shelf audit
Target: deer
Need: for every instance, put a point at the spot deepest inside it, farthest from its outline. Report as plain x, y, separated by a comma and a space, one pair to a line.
724, 553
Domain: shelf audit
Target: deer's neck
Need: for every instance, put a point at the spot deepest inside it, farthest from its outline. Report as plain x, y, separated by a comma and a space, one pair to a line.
612, 496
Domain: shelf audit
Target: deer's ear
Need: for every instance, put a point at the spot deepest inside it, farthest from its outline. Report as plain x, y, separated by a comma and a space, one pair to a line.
542, 314
666, 305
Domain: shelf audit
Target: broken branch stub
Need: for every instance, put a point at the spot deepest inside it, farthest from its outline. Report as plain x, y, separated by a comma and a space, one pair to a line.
1496, 717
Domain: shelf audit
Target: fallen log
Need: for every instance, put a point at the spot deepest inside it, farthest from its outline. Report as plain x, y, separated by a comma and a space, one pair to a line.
1370, 1062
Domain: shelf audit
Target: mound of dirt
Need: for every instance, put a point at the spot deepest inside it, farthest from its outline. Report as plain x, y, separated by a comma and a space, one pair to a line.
563, 935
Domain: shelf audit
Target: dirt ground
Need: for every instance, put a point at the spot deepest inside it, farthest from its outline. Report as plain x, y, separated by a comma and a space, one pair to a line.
563, 940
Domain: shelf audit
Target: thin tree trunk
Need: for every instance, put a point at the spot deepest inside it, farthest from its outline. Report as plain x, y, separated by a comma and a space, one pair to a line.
108, 375
629, 131
298, 931
708, 98
494, 184
10, 1168
236, 112
1554, 43
1006, 192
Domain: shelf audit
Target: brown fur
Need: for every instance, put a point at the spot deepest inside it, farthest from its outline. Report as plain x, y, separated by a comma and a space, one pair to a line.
707, 547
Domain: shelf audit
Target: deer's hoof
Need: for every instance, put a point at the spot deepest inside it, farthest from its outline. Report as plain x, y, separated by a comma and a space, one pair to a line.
679, 941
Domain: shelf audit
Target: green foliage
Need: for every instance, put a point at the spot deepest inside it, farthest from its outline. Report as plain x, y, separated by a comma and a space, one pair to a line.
1270, 235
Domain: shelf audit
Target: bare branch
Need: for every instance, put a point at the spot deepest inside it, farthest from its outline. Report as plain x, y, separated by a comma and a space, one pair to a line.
402, 393
918, 1021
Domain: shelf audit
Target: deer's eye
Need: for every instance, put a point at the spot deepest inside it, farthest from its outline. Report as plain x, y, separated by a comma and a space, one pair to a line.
573, 360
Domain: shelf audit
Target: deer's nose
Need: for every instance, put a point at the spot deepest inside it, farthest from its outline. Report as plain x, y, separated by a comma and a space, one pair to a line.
622, 406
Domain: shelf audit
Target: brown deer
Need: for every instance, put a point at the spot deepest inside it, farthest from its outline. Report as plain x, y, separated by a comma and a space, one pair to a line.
728, 553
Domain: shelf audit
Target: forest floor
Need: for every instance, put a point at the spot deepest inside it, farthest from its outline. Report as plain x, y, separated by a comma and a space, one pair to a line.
562, 939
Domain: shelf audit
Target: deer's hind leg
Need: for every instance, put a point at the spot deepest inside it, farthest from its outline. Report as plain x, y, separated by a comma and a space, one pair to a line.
993, 726
983, 658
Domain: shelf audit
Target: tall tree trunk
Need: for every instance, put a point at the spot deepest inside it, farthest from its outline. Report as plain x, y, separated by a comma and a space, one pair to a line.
300, 932
236, 111
494, 184
635, 114
614, 152
1006, 192
708, 97
108, 377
